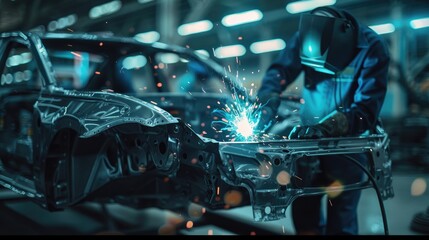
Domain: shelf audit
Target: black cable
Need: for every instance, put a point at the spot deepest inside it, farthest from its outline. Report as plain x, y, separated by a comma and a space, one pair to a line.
420, 222
377, 190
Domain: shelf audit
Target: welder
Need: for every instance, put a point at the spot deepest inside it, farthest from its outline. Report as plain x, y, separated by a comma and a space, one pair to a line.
345, 65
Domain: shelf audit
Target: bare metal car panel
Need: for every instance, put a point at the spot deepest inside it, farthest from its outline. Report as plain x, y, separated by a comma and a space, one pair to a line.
267, 169
98, 111
149, 148
94, 144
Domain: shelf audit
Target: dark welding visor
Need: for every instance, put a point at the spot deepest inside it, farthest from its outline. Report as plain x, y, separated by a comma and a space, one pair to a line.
327, 43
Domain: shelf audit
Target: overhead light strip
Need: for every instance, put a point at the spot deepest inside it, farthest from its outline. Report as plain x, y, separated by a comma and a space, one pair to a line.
267, 46
383, 28
105, 9
419, 23
230, 51
194, 27
242, 18
147, 37
307, 5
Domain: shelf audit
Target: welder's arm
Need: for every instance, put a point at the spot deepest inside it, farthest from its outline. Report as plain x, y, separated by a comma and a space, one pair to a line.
333, 125
371, 91
279, 75
367, 102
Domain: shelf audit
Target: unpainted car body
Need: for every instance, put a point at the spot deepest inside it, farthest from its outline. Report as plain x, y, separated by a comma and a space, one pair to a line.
60, 146
86, 117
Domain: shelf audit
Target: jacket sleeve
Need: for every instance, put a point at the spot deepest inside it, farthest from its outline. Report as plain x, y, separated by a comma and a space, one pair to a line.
282, 71
371, 90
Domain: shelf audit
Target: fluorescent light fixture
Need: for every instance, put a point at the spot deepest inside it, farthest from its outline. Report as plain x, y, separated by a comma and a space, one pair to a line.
267, 46
307, 5
202, 53
105, 9
383, 28
26, 57
230, 51
147, 37
169, 58
52, 26
419, 23
14, 60
242, 18
134, 62
19, 59
6, 79
62, 22
194, 27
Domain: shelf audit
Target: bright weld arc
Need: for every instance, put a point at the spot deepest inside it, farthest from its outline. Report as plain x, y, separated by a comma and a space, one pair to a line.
242, 118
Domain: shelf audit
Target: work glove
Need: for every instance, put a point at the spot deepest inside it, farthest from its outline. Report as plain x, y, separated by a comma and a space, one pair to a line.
269, 104
333, 125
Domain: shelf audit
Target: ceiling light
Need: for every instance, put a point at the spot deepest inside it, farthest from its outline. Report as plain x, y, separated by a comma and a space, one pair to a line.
419, 23
230, 51
383, 28
267, 46
195, 27
242, 18
307, 5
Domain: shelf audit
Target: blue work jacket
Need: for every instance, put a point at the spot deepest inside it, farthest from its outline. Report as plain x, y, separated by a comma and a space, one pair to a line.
358, 91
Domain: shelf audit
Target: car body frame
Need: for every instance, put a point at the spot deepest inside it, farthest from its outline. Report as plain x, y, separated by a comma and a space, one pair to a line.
63, 143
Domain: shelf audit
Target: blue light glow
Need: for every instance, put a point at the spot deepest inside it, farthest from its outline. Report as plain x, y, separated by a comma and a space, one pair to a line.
240, 119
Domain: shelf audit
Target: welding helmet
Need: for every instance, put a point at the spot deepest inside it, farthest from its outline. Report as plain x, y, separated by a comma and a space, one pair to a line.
327, 39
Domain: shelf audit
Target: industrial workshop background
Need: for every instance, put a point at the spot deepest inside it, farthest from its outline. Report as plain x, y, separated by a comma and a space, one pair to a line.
245, 36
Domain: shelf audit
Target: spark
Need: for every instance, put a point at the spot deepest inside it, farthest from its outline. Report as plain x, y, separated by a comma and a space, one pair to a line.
189, 224
240, 118
76, 54
243, 115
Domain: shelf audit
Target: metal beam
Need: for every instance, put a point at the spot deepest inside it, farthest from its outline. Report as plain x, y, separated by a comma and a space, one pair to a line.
167, 19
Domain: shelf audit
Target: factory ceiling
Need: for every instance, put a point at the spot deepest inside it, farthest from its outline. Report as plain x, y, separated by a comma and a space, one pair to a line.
164, 16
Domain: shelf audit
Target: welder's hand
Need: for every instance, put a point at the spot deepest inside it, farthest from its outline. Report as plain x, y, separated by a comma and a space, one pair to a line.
334, 124
308, 132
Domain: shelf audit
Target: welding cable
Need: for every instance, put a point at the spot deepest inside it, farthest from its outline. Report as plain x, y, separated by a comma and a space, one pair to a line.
420, 222
377, 190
